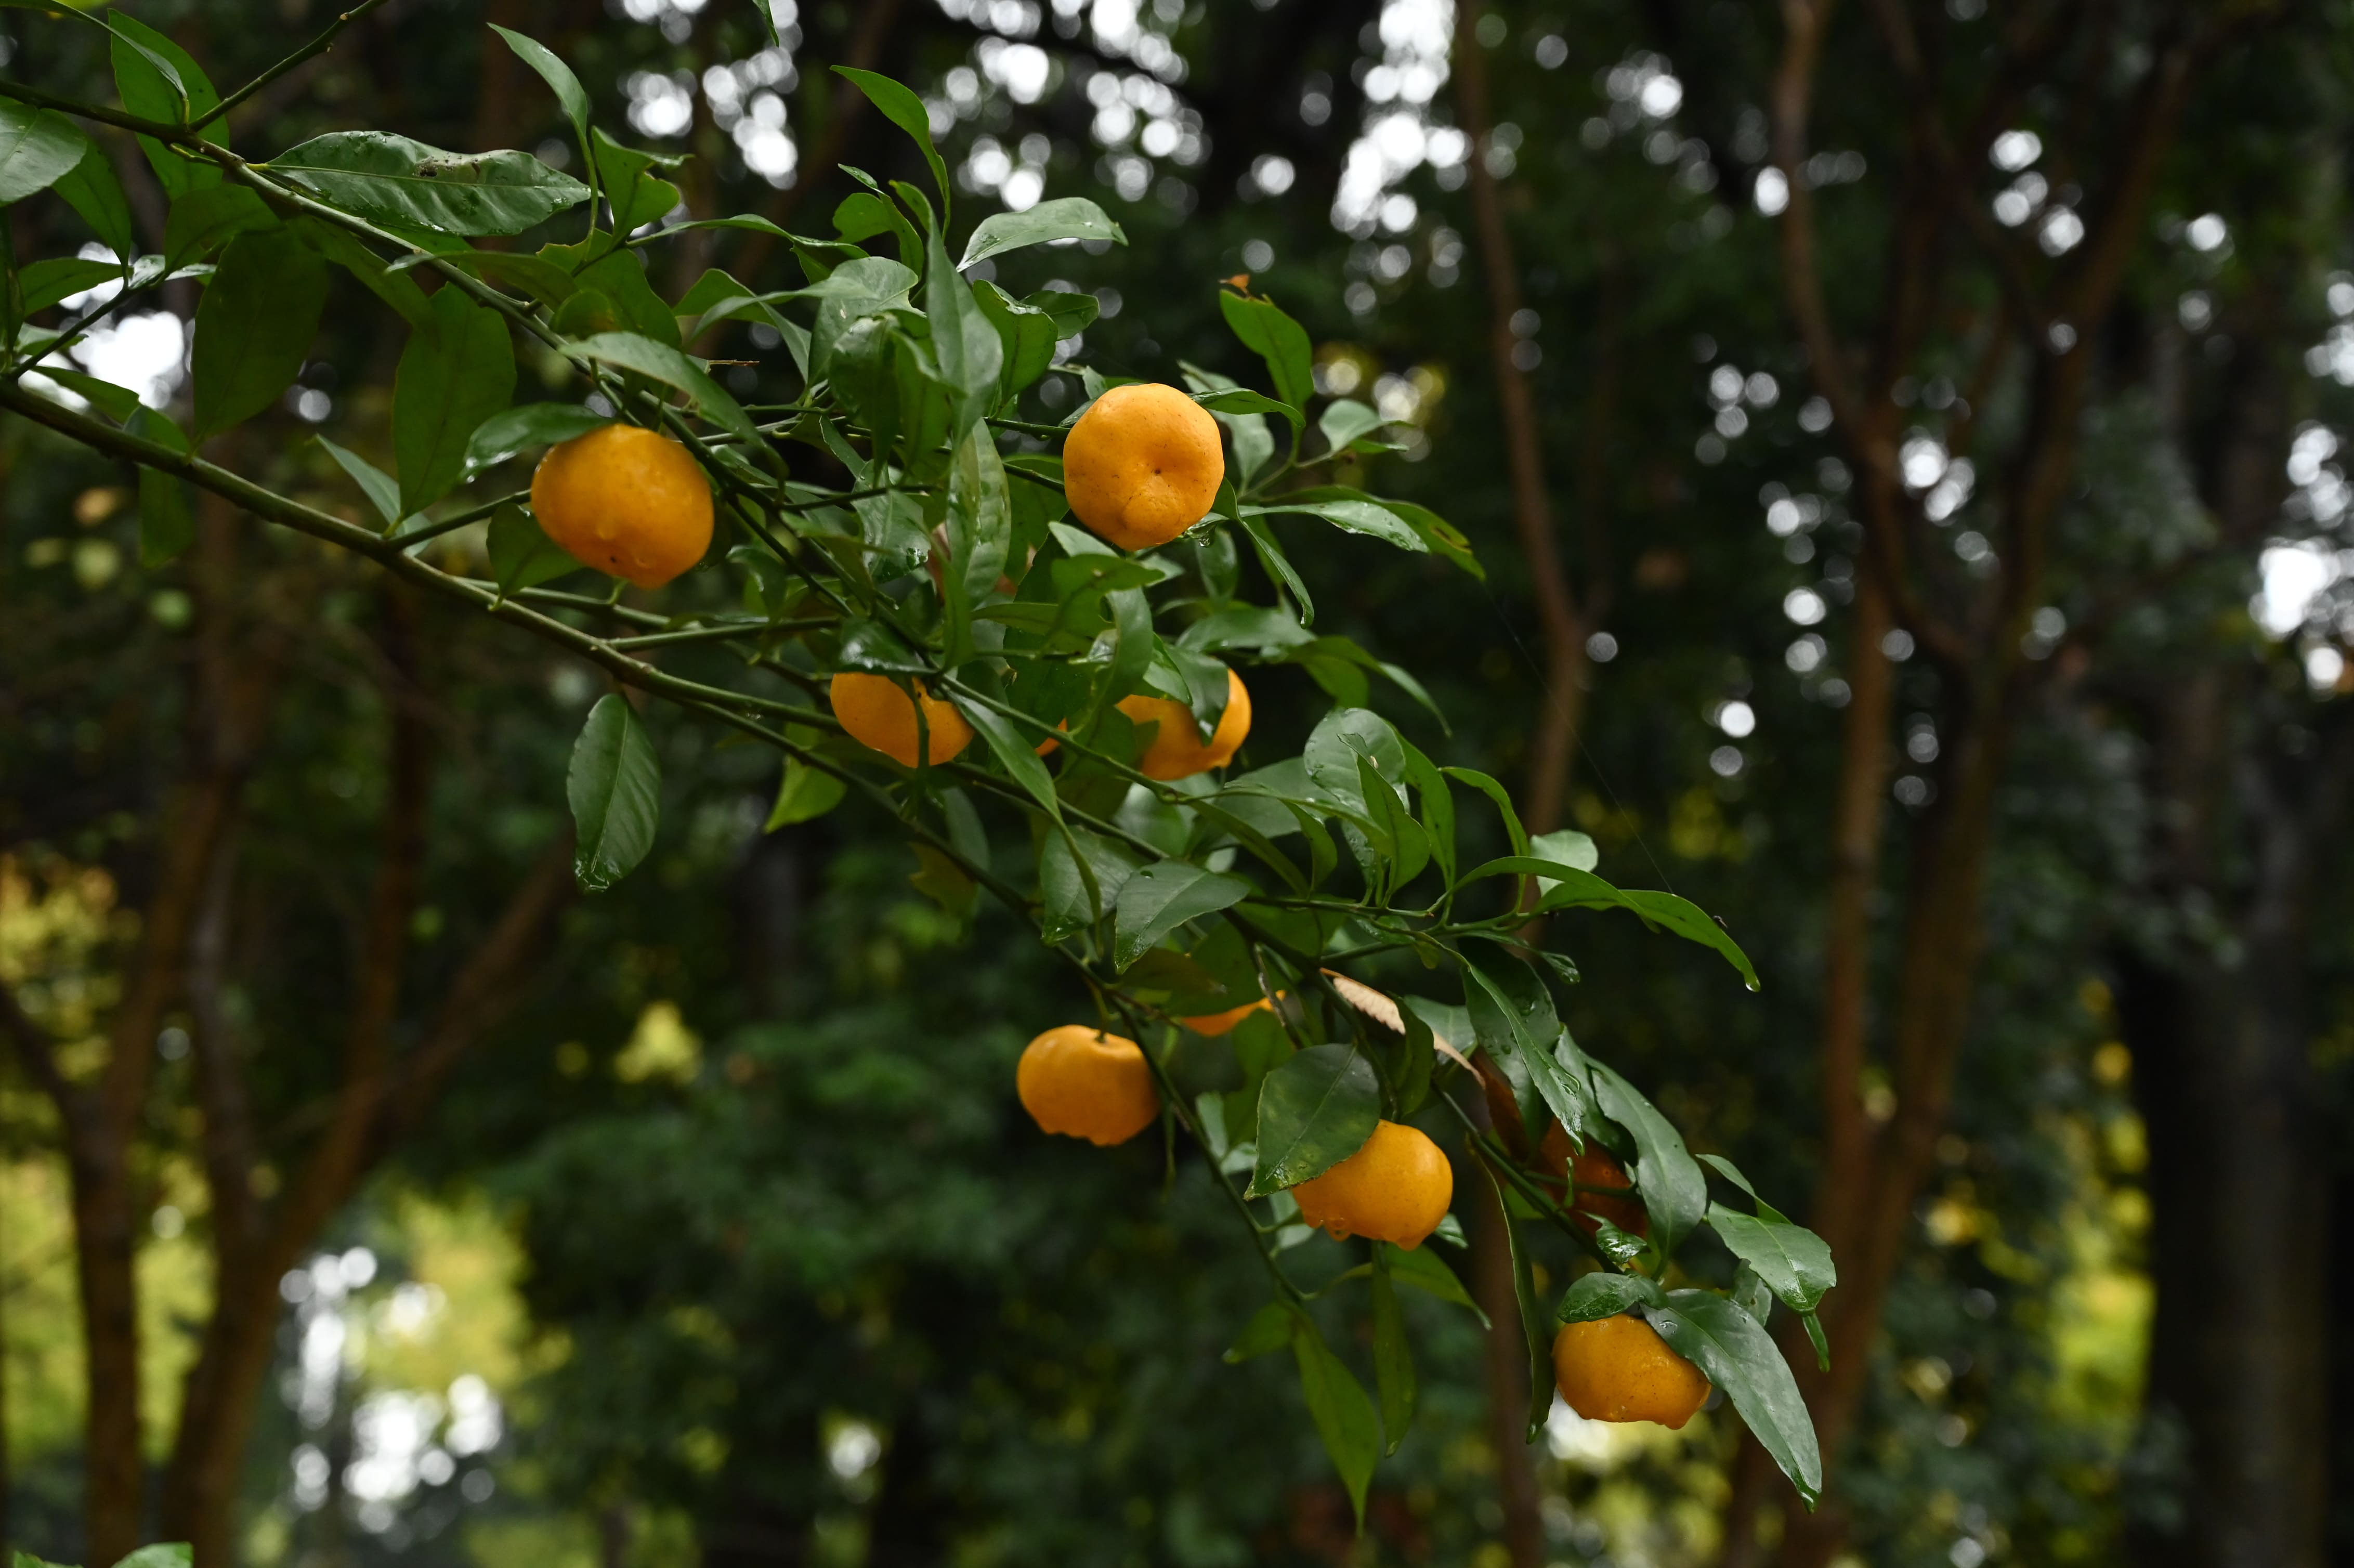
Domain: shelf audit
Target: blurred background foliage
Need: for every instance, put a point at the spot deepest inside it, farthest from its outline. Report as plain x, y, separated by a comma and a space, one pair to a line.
727, 1243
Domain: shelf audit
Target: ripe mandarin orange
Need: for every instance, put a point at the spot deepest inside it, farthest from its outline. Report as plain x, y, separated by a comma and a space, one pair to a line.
1142, 465
1396, 1189
1594, 1166
1619, 1369
1177, 749
881, 716
625, 501
1088, 1083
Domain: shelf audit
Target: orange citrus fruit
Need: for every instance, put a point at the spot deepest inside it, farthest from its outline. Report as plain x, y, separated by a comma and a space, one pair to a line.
1396, 1189
1619, 1369
625, 501
1142, 465
1593, 1166
1088, 1083
1177, 749
1217, 1023
880, 716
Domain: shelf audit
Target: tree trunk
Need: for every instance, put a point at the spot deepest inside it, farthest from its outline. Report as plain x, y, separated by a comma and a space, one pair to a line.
216, 1414
1505, 1362
2240, 1161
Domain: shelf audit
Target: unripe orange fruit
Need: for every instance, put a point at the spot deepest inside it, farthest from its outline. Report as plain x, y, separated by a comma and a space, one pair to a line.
1088, 1083
1396, 1189
1593, 1166
1217, 1023
1619, 1369
881, 716
1177, 749
625, 501
1142, 465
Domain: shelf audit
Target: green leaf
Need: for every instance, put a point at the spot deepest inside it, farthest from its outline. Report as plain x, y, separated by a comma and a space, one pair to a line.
615, 790
1079, 876
120, 404
1569, 847
1013, 750
345, 249
940, 878
1268, 1330
1535, 1331
168, 522
208, 217
1025, 337
1163, 896
1064, 217
620, 277
1420, 1268
1599, 1295
392, 179
457, 371
1512, 1016
38, 148
255, 325
905, 110
980, 532
1392, 1359
1350, 516
1343, 1415
1242, 400
1314, 1110
160, 80
1071, 313
964, 343
1502, 799
1278, 565
1815, 1334
1751, 1295
43, 283
804, 794
513, 431
1662, 911
164, 1555
1674, 1191
673, 368
382, 491
860, 288
1741, 1357
1276, 338
522, 554
863, 215
1343, 420
1731, 1172
569, 94
1793, 1262
638, 196
1441, 536
91, 189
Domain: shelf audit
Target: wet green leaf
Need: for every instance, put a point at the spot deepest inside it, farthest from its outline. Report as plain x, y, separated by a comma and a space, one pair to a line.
1742, 1359
614, 786
457, 371
1064, 217
255, 325
392, 179
1163, 896
1314, 1111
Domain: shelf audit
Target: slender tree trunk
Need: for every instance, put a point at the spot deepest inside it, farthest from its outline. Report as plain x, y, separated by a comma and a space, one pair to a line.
1560, 619
1505, 1364
2239, 1160
1856, 834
